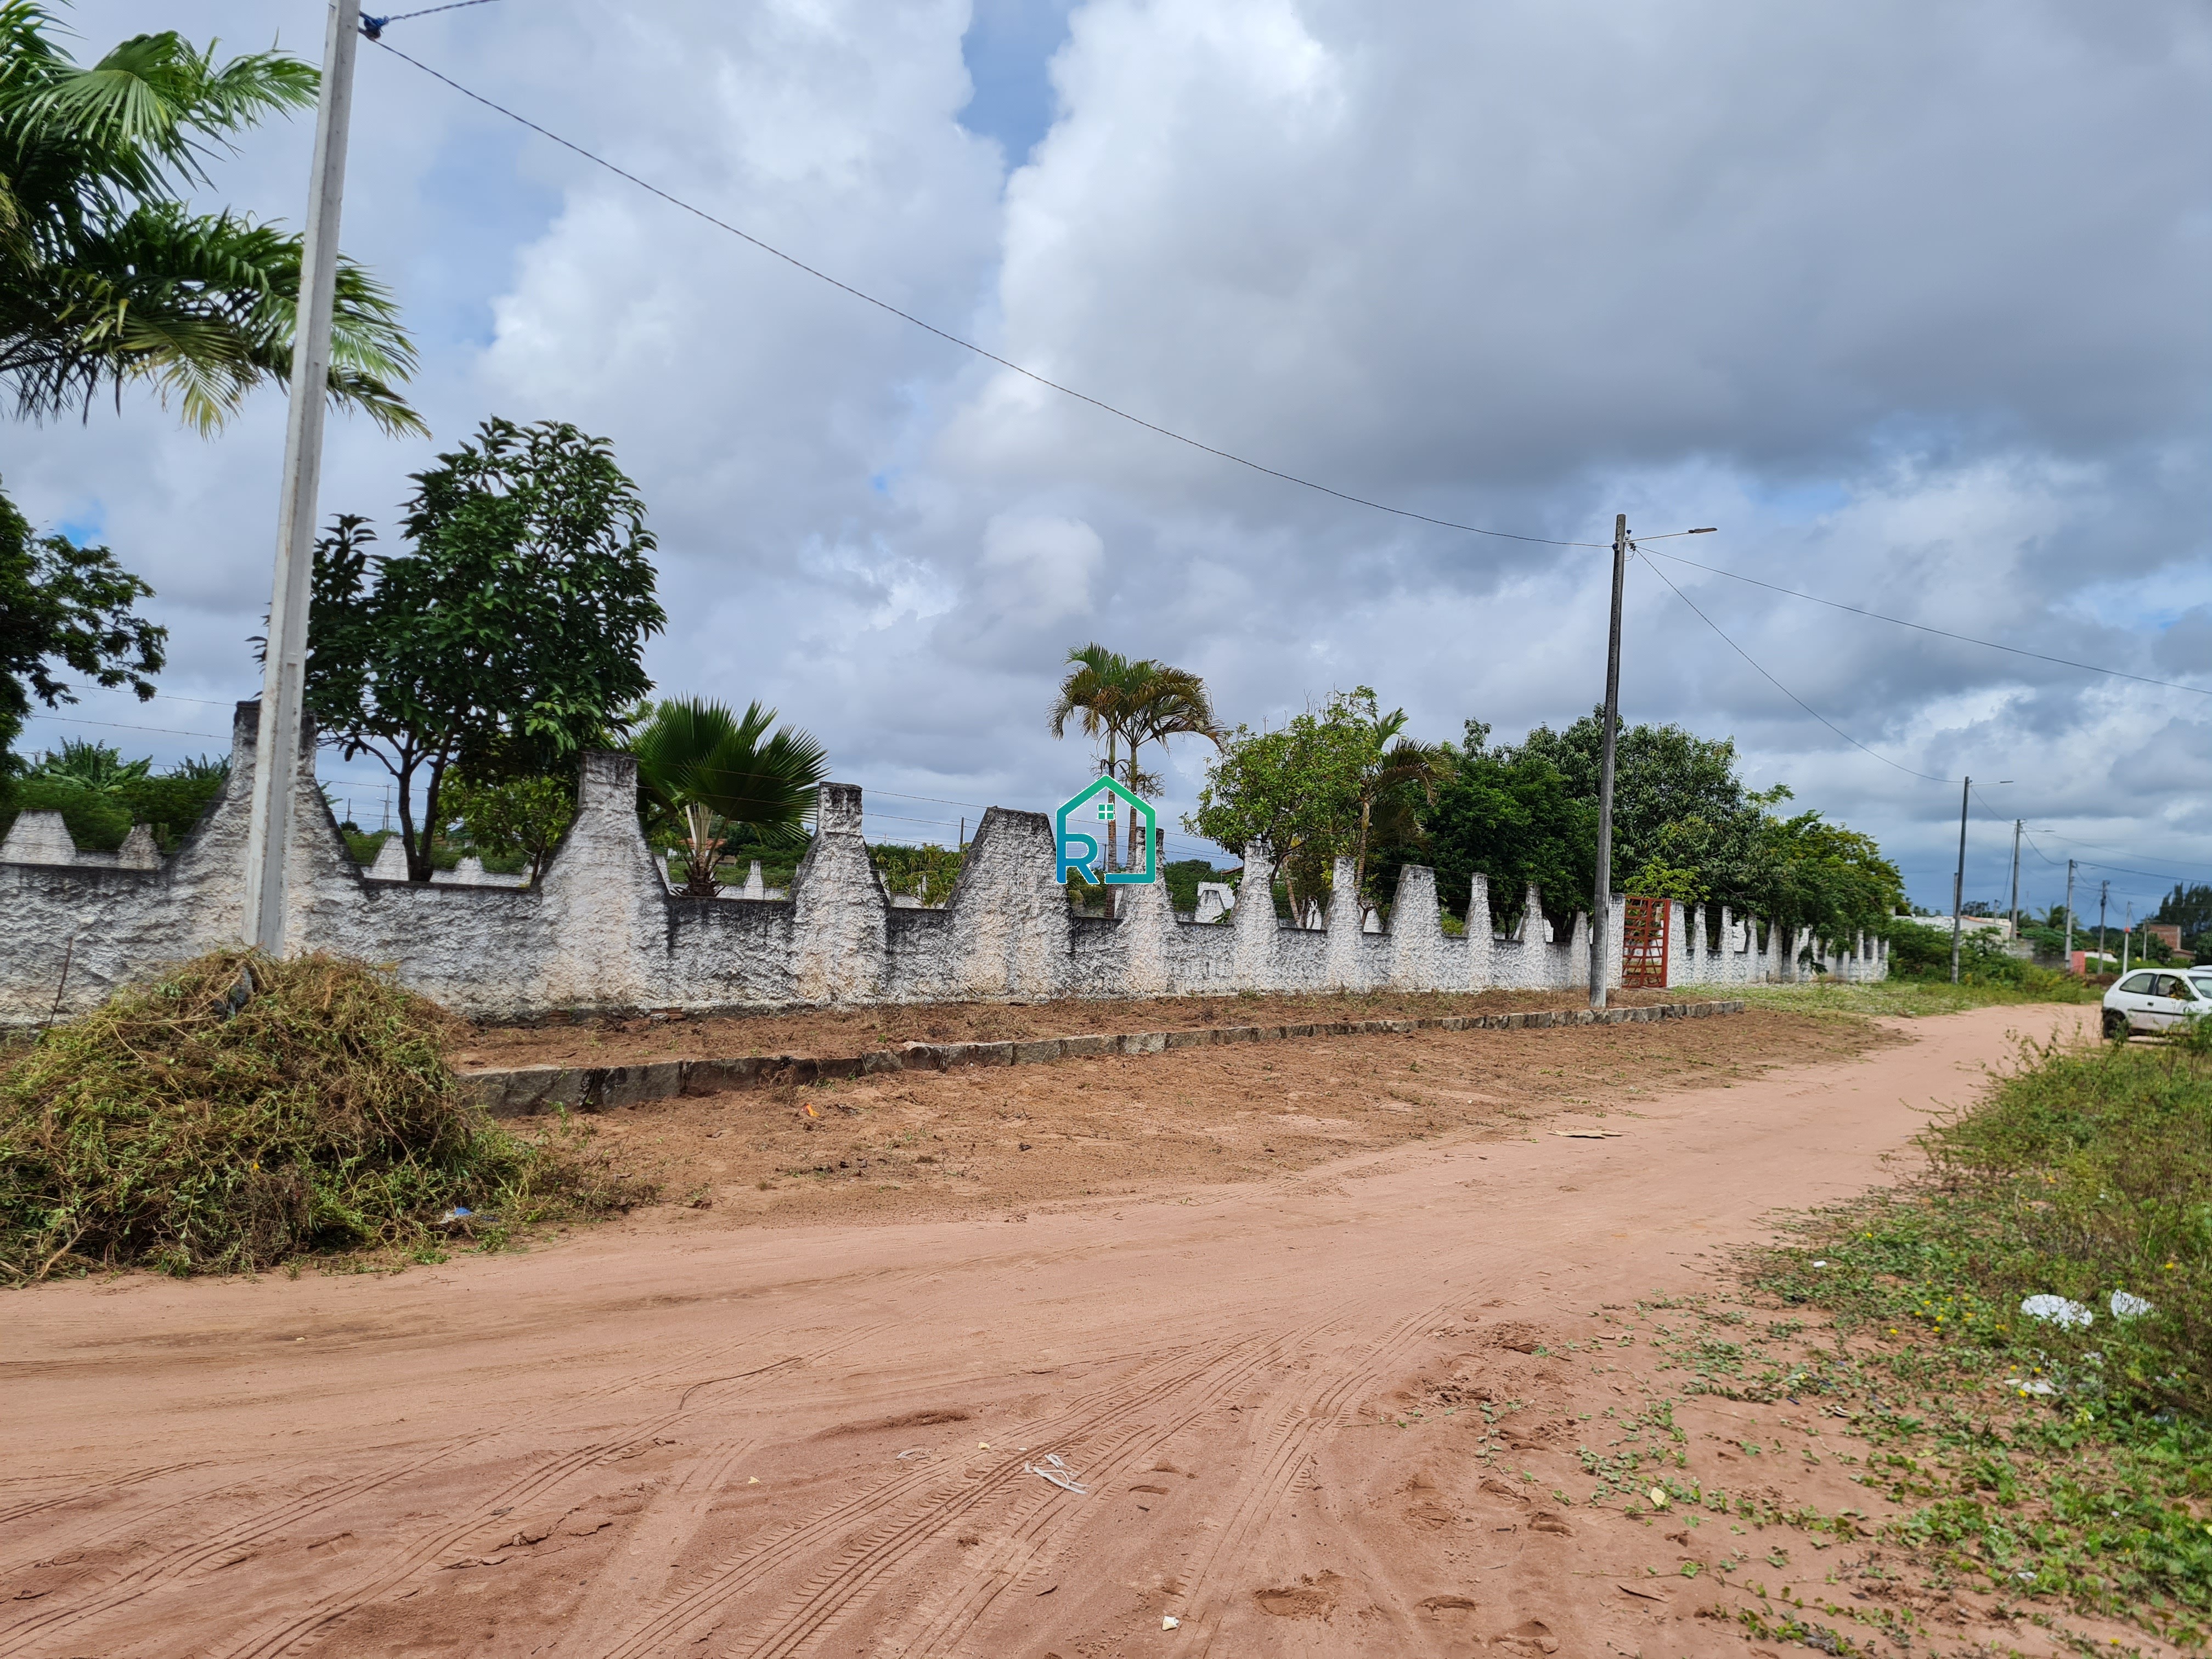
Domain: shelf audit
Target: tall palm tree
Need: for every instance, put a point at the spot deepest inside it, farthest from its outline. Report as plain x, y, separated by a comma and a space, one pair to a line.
708, 773
106, 278
1161, 702
1096, 692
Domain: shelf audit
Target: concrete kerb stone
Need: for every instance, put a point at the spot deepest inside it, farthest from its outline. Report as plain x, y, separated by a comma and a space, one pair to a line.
531, 1090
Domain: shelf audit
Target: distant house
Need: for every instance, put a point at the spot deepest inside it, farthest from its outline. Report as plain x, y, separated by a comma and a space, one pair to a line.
2169, 931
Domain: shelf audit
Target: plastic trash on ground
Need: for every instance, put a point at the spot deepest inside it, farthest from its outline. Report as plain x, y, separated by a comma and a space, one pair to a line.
2059, 1311
1058, 1473
2125, 1306
2029, 1385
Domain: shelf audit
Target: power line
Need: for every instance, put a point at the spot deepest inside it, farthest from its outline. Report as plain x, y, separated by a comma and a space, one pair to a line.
1924, 627
1776, 684
373, 27
955, 339
125, 725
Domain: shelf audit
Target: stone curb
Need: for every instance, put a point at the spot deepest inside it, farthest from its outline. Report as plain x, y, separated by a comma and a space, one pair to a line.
532, 1089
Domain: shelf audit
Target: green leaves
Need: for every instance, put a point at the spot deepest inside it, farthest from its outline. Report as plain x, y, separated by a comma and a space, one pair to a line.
106, 278
509, 638
62, 603
703, 771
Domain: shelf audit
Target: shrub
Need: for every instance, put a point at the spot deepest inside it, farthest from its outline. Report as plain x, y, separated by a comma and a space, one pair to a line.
242, 1110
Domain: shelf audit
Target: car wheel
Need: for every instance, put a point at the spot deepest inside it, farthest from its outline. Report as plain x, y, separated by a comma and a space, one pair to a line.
2116, 1026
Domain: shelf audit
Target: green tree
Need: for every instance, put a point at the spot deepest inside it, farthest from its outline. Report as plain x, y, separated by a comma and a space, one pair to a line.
1508, 811
706, 776
68, 605
512, 635
1160, 703
928, 872
1295, 791
1096, 693
1664, 778
108, 278
520, 818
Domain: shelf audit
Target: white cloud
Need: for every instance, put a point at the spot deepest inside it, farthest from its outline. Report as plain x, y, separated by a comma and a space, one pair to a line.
1909, 300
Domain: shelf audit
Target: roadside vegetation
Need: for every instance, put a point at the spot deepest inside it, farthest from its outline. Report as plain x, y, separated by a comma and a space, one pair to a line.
1909, 999
241, 1114
2065, 1459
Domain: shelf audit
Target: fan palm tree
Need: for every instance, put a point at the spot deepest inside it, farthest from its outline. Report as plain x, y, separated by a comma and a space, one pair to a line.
706, 773
1096, 693
106, 278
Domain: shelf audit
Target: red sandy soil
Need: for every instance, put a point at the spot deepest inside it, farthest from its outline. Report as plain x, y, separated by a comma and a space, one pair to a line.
815, 1032
672, 1435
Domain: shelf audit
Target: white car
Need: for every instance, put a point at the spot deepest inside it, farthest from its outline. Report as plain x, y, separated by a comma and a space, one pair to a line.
2154, 1000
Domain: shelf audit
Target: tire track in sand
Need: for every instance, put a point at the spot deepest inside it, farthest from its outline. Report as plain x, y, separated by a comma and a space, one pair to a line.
328, 1610
235, 1543
1288, 1456
895, 1524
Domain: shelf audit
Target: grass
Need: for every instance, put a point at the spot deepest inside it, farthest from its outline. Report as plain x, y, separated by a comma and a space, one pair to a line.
1912, 999
242, 1112
2069, 1464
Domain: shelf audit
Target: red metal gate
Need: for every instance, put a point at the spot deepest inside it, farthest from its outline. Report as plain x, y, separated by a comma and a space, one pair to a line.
1643, 942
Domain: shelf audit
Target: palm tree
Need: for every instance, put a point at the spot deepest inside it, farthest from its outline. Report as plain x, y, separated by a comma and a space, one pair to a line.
705, 772
1396, 768
1161, 702
1096, 687
106, 277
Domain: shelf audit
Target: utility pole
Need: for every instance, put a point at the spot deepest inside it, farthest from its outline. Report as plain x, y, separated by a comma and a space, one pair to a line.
285, 674
2015, 878
1601, 903
2127, 937
2104, 898
2068, 963
1959, 881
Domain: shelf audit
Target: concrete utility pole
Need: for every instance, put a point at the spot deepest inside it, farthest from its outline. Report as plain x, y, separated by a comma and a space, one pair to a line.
1959, 881
2068, 963
284, 675
1601, 901
2015, 878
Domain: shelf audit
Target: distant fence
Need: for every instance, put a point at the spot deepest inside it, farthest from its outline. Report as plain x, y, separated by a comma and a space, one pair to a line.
601, 931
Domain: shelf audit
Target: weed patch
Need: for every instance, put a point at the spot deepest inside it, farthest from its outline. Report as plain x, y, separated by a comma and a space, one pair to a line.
240, 1112
1912, 999
2047, 1459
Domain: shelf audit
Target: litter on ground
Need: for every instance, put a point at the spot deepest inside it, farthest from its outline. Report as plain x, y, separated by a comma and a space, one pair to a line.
1058, 1473
2125, 1306
2059, 1311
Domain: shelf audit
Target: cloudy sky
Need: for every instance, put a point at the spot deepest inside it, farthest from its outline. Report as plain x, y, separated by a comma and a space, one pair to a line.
1908, 301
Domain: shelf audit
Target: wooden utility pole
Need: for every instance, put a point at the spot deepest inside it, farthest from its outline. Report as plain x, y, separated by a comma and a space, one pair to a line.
284, 673
2104, 899
1959, 881
1601, 901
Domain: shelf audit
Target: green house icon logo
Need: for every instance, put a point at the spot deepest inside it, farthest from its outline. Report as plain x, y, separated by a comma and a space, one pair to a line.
1080, 826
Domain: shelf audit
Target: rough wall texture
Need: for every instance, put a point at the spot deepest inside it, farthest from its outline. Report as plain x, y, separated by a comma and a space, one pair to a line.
602, 932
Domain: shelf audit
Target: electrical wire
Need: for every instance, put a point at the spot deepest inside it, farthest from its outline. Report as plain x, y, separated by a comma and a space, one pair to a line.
966, 344
125, 725
373, 27
1924, 627
1777, 684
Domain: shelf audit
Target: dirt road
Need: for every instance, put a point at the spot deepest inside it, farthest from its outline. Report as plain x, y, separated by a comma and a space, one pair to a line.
1329, 1412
